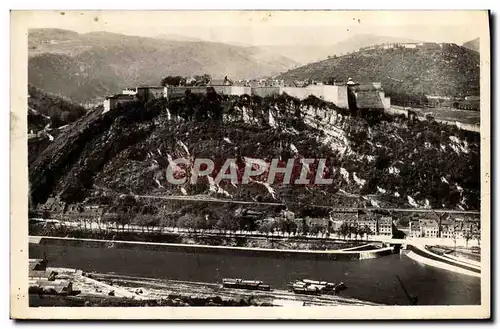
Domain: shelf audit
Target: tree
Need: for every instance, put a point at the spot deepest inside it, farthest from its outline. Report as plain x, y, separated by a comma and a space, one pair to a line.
266, 226
367, 231
344, 230
305, 226
124, 218
173, 81
147, 220
468, 236
354, 229
316, 228
226, 222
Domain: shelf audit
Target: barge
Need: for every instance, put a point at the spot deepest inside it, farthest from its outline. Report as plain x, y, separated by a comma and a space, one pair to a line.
314, 287
245, 284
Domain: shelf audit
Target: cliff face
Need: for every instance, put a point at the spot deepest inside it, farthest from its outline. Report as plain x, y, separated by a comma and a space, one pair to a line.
371, 162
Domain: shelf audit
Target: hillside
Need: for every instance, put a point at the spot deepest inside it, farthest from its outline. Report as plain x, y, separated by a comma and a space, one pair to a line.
393, 162
47, 108
472, 44
47, 115
87, 66
429, 70
305, 54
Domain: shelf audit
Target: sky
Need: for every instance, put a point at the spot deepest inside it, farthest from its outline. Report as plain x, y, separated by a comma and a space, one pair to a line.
271, 27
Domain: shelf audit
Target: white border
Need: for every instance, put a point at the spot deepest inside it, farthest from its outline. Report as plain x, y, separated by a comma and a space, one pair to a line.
196, 4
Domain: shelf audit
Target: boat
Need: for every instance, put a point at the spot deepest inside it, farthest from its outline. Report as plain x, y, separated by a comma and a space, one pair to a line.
245, 284
307, 286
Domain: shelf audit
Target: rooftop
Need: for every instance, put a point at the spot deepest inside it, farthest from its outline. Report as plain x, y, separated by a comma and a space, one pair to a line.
120, 96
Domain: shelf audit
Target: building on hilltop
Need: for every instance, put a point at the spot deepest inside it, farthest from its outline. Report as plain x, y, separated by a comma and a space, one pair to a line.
129, 91
111, 102
147, 93
368, 96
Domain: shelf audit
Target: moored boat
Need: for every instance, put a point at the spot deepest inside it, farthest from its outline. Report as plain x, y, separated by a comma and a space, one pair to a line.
307, 286
245, 284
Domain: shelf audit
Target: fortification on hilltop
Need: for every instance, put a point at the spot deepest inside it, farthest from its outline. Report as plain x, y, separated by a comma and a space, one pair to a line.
365, 96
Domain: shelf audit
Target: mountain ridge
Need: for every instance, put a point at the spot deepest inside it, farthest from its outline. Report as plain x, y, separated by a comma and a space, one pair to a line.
311, 53
85, 67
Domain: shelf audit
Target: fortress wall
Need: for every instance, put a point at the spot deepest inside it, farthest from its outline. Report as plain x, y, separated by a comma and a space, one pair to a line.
240, 90
369, 100
176, 92
265, 91
300, 93
336, 95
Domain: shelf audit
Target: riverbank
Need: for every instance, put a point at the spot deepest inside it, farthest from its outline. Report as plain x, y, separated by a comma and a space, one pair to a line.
100, 289
285, 242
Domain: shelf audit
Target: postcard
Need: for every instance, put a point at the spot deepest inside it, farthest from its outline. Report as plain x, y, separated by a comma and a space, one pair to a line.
250, 165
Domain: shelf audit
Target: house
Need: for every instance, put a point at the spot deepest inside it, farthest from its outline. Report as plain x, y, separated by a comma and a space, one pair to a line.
429, 228
371, 223
385, 226
111, 102
447, 229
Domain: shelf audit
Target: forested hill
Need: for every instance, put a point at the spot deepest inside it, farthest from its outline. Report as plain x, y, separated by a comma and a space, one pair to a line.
431, 69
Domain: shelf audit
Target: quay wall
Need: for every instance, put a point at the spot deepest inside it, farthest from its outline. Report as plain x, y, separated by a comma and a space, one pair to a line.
172, 247
435, 257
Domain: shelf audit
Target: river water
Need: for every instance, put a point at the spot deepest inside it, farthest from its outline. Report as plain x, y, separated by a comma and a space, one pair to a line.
372, 279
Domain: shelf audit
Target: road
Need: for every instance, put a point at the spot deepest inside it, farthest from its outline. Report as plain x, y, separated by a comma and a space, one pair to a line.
279, 204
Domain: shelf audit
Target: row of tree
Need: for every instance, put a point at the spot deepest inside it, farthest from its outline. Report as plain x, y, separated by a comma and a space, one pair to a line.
128, 212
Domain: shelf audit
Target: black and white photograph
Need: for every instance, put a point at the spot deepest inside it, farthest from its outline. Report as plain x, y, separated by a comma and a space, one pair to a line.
250, 162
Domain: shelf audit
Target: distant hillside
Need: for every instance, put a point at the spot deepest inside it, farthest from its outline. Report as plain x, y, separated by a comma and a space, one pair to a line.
84, 67
429, 70
472, 44
305, 54
45, 108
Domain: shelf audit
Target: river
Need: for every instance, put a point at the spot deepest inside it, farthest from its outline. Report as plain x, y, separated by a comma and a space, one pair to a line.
372, 279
